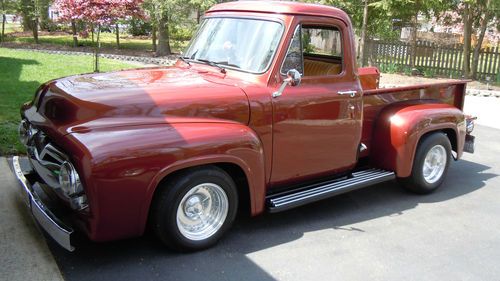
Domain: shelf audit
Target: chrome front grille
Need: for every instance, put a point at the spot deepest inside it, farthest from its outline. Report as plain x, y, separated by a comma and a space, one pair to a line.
48, 161
45, 158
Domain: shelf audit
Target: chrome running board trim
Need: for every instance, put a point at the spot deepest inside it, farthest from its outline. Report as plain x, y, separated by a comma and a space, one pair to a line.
304, 195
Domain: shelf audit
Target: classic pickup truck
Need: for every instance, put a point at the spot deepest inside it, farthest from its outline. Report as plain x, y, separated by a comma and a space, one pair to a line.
266, 110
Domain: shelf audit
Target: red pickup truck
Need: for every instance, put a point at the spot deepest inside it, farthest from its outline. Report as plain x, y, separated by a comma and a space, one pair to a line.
266, 110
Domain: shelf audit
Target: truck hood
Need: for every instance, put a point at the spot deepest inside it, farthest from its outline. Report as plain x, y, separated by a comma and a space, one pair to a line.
141, 97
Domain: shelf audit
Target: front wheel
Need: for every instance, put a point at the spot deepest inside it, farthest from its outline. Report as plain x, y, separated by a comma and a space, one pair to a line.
195, 208
432, 159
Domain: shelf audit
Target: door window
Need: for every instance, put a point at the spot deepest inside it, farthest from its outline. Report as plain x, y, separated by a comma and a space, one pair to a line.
317, 53
293, 59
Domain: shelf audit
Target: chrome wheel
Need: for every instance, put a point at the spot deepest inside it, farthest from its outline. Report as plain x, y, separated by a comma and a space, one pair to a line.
202, 211
434, 164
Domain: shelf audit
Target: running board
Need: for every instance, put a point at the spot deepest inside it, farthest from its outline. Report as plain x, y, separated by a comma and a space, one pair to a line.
298, 197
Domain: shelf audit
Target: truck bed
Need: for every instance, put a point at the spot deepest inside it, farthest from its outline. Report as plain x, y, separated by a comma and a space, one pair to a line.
375, 99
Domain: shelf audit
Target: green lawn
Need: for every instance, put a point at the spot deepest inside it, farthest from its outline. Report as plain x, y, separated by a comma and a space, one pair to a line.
21, 72
12, 27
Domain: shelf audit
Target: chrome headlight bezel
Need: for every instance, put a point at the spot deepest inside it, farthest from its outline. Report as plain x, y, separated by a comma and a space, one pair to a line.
25, 131
69, 180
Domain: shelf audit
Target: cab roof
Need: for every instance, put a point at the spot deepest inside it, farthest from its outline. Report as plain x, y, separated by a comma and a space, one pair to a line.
280, 7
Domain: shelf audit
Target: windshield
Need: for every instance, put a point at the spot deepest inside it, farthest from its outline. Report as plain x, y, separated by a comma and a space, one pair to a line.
244, 44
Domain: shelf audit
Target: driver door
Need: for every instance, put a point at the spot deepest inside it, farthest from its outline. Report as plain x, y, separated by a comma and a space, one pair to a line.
316, 126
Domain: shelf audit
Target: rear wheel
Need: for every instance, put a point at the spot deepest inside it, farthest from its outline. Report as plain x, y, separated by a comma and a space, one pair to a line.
432, 159
195, 208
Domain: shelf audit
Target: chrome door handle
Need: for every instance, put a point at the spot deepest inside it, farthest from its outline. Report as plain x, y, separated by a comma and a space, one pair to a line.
350, 93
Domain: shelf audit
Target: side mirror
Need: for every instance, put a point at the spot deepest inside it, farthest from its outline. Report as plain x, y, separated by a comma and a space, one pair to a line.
293, 78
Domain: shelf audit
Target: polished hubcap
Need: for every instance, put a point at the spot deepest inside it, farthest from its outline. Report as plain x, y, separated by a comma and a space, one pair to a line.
202, 211
434, 163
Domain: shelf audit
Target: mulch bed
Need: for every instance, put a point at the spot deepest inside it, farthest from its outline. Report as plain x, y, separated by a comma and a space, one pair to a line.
56, 47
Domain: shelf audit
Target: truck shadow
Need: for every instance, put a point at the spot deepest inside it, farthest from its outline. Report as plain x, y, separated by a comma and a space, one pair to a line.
144, 258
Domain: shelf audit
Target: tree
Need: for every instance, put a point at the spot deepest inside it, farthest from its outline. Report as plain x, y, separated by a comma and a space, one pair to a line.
117, 33
69, 12
362, 43
6, 6
159, 11
169, 15
467, 20
201, 6
4, 19
30, 10
408, 11
43, 8
486, 12
473, 17
99, 12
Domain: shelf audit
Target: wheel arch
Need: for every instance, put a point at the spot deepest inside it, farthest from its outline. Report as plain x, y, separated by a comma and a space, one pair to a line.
251, 189
401, 127
234, 170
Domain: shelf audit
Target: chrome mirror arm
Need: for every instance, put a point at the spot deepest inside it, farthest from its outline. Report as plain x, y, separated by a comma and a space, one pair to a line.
293, 78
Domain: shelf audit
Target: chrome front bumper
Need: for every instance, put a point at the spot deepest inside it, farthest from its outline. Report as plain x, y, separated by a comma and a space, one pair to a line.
60, 232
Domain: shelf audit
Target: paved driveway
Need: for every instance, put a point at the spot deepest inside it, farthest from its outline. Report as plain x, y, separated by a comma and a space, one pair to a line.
378, 233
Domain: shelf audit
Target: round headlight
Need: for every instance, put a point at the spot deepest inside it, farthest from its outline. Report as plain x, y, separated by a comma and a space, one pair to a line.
25, 132
69, 179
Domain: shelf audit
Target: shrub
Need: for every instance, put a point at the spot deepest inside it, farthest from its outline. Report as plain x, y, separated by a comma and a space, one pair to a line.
429, 73
138, 27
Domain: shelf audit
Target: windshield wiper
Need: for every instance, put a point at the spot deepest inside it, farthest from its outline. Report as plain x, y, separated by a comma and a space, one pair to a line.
214, 64
185, 59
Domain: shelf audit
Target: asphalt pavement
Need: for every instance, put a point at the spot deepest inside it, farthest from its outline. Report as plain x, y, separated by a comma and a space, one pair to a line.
377, 233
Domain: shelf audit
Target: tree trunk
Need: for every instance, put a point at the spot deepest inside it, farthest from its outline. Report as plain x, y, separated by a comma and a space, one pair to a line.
413, 58
92, 28
75, 36
117, 28
163, 48
362, 43
97, 47
35, 30
479, 43
43, 12
467, 39
4, 18
42, 8
153, 37
26, 12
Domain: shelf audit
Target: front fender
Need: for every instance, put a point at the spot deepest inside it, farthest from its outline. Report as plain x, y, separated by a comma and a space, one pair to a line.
122, 167
400, 126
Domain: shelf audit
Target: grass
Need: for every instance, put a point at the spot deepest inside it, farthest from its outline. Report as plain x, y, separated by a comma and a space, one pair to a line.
12, 27
21, 72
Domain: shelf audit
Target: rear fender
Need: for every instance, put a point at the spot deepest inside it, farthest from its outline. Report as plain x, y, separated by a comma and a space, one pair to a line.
400, 127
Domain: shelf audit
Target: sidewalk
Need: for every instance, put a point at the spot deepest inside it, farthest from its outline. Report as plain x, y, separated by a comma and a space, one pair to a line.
486, 109
24, 254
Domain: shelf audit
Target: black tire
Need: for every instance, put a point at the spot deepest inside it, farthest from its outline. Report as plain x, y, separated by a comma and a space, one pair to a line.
170, 195
416, 182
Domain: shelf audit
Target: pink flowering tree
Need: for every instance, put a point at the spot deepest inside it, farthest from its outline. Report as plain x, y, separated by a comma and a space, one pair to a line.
98, 13
69, 12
